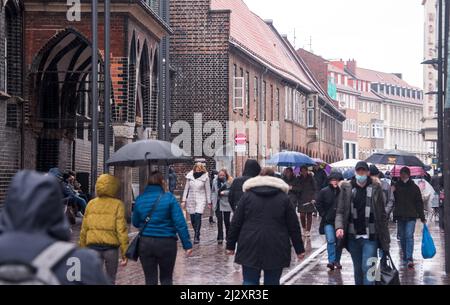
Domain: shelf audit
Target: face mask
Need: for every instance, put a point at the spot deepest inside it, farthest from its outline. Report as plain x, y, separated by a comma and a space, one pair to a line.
222, 179
361, 179
198, 175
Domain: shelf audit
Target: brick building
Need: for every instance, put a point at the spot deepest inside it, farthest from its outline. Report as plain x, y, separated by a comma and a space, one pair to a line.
55, 76
230, 65
339, 85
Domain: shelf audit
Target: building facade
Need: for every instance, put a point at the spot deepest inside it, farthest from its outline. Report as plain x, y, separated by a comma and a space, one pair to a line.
55, 124
232, 66
401, 111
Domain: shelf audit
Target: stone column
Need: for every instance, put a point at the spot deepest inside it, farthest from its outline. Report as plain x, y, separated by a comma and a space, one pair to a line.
123, 135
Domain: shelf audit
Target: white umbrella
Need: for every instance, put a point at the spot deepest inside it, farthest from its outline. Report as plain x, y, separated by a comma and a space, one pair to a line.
345, 164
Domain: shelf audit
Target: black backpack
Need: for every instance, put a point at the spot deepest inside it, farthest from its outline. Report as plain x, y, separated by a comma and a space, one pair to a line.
39, 271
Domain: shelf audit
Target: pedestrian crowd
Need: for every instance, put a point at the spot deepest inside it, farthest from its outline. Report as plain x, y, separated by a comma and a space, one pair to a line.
260, 218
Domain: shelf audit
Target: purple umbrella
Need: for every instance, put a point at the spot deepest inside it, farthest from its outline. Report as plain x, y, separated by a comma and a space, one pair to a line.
327, 167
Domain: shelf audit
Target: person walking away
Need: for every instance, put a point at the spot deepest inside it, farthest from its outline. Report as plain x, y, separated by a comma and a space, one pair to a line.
211, 210
197, 194
408, 206
219, 198
172, 180
378, 177
320, 176
251, 169
80, 203
361, 221
158, 243
104, 228
294, 185
264, 226
35, 245
326, 206
306, 203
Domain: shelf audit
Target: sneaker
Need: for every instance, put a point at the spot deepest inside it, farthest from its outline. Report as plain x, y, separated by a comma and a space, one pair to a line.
410, 265
330, 266
338, 266
196, 241
211, 220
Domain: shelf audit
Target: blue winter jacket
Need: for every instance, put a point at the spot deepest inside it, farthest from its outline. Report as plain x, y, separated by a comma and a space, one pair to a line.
167, 220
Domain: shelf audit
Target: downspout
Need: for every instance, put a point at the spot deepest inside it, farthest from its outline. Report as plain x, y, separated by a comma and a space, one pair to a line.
293, 121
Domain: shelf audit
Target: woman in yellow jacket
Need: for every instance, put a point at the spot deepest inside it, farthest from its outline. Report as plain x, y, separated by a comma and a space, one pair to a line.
104, 227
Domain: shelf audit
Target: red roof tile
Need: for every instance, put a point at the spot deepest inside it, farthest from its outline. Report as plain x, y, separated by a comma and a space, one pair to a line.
257, 38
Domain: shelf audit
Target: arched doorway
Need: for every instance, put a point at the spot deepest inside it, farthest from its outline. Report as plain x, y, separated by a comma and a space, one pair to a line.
61, 100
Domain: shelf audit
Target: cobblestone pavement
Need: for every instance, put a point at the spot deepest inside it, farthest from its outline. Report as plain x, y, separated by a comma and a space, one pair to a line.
209, 265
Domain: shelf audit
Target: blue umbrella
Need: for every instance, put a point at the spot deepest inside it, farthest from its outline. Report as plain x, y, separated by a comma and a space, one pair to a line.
291, 158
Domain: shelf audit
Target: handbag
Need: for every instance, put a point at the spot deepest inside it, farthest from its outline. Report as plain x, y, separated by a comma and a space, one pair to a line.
133, 248
428, 247
387, 272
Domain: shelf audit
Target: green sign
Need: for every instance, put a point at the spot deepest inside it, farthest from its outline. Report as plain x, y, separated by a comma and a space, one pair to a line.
332, 90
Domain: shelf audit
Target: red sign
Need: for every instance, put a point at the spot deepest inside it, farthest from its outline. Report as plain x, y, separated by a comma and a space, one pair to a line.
240, 139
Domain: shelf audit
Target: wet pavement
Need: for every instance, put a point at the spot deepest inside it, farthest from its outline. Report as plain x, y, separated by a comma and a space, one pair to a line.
209, 265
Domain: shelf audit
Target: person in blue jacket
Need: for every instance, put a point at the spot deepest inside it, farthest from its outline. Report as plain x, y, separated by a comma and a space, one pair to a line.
158, 243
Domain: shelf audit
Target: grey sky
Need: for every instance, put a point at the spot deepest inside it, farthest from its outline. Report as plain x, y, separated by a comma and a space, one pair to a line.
384, 35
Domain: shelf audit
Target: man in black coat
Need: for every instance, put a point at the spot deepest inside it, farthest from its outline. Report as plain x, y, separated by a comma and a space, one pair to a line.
251, 169
408, 206
34, 232
264, 225
326, 206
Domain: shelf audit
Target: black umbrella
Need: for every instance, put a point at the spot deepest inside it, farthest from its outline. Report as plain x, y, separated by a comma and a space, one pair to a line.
148, 152
395, 157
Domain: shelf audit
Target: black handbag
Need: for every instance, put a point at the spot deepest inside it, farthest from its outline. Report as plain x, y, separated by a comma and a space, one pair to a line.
388, 273
133, 248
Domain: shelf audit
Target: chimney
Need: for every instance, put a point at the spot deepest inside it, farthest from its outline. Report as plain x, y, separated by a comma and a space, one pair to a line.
399, 75
351, 66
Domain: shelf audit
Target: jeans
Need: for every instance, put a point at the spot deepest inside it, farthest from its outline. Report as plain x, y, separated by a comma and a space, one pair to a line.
221, 218
364, 256
157, 253
406, 230
252, 275
334, 253
196, 221
110, 260
80, 202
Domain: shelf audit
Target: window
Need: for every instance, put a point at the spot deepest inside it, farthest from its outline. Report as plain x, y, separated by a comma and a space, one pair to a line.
278, 104
377, 131
339, 80
310, 117
255, 90
286, 103
271, 103
263, 105
247, 92
238, 93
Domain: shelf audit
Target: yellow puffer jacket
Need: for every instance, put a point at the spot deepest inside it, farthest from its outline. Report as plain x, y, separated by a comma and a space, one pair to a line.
104, 220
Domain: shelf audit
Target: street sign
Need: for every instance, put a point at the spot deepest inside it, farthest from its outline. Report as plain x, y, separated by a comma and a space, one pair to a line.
240, 148
240, 139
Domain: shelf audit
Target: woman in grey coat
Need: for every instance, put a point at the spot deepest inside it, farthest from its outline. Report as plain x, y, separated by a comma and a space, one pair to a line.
219, 198
306, 201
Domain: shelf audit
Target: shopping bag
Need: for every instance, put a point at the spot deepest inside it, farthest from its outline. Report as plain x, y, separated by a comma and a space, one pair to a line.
428, 247
387, 273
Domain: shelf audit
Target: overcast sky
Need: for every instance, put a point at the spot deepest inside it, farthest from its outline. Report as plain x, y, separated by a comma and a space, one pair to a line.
384, 35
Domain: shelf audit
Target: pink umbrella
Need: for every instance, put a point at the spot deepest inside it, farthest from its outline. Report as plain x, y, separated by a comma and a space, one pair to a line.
415, 171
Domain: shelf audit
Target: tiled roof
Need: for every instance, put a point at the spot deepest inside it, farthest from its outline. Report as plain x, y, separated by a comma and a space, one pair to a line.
382, 77
255, 37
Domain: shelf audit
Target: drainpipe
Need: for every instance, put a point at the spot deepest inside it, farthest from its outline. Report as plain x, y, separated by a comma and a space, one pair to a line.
293, 121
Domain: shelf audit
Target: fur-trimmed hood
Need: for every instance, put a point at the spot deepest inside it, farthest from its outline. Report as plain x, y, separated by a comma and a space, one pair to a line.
265, 181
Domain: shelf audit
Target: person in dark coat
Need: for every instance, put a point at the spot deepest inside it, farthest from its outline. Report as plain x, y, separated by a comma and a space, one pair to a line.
32, 222
326, 206
251, 169
294, 185
306, 202
408, 206
263, 227
361, 222
172, 180
320, 176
